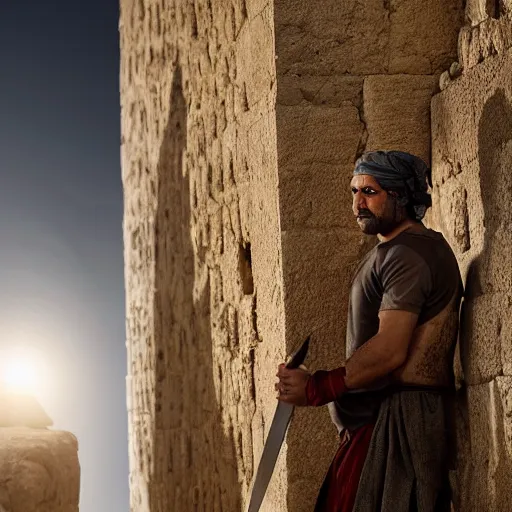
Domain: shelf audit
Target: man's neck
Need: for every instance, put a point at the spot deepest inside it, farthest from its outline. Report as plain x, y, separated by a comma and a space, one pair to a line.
406, 224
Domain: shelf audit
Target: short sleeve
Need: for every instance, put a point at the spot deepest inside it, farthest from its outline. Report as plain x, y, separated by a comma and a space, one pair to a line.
406, 280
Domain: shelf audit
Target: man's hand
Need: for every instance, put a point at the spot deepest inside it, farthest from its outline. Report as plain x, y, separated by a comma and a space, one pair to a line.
291, 387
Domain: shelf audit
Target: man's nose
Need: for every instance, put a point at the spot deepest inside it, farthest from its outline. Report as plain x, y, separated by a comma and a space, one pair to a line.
359, 202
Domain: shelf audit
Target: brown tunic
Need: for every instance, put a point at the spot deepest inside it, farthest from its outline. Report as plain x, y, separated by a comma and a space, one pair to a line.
417, 272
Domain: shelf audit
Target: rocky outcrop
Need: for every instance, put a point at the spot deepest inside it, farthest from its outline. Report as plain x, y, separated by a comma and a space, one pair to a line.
39, 471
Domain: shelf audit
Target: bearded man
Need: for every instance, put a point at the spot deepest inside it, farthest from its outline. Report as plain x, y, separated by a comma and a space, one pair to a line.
391, 400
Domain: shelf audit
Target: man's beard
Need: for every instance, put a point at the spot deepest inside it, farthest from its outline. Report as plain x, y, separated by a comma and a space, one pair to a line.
371, 224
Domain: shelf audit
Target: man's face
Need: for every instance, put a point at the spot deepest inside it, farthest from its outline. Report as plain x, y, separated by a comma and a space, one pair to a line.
377, 212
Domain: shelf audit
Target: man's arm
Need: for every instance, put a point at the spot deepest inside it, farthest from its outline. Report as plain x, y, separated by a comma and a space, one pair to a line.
378, 357
385, 352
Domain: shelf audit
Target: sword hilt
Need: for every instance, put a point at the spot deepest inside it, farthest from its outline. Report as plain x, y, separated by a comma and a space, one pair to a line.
298, 357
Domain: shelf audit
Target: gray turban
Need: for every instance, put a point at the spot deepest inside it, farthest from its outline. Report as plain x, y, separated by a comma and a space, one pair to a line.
406, 174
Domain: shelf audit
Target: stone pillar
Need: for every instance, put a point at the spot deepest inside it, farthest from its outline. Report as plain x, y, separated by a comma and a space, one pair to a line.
472, 158
205, 316
351, 76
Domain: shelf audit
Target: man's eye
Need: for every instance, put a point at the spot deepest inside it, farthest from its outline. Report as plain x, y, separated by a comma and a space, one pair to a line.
354, 190
369, 191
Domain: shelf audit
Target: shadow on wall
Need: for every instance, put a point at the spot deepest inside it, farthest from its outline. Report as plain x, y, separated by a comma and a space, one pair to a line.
194, 462
487, 295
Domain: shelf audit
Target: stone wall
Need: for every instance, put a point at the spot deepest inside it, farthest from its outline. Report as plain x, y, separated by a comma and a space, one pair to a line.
351, 76
39, 470
471, 160
202, 249
241, 121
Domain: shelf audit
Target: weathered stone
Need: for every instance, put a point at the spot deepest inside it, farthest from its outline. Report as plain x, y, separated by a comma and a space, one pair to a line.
308, 134
366, 37
310, 43
476, 11
397, 112
39, 471
316, 195
490, 37
432, 52
487, 464
444, 80
330, 91
204, 301
481, 329
454, 217
471, 159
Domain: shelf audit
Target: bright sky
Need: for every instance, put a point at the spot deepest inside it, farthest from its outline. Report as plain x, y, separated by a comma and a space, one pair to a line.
61, 254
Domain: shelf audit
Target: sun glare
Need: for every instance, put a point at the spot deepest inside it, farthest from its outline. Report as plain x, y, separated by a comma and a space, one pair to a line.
22, 371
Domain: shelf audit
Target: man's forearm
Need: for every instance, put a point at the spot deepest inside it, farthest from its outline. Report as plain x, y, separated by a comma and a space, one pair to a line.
370, 362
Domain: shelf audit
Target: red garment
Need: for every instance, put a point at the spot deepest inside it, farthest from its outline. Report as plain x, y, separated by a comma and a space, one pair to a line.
325, 386
338, 492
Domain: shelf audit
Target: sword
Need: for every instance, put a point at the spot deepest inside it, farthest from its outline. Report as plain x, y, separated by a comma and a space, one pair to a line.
275, 438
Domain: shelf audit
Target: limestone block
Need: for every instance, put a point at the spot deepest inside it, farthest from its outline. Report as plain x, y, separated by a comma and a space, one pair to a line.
454, 129
504, 385
431, 53
366, 37
316, 195
318, 267
489, 476
39, 471
308, 134
397, 112
254, 56
454, 216
481, 331
331, 91
314, 40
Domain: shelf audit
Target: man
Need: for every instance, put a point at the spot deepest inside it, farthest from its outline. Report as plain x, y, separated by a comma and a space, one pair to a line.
390, 401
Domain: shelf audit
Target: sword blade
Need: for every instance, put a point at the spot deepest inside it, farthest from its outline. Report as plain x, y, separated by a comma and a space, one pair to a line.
271, 450
275, 438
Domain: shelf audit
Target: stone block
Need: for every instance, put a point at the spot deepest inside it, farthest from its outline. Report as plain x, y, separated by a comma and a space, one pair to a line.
308, 134
317, 195
488, 464
325, 41
481, 331
454, 216
397, 112
318, 266
330, 91
366, 37
39, 471
434, 51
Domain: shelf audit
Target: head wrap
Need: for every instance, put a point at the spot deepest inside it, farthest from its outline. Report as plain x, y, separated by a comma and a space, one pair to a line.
401, 172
